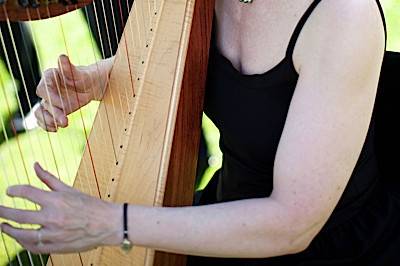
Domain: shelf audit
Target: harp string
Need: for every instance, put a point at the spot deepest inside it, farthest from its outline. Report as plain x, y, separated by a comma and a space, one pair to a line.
21, 112
88, 145
107, 117
100, 92
101, 43
14, 204
81, 116
112, 98
24, 118
26, 91
145, 44
13, 126
14, 168
16, 93
48, 134
63, 104
18, 100
118, 51
126, 47
83, 124
127, 51
99, 74
117, 40
125, 39
24, 123
69, 103
117, 37
3, 241
80, 111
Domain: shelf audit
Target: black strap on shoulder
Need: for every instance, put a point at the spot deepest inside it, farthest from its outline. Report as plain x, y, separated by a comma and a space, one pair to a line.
307, 14
299, 27
383, 19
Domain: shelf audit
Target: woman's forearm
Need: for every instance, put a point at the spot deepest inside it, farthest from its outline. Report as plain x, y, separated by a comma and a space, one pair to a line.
253, 228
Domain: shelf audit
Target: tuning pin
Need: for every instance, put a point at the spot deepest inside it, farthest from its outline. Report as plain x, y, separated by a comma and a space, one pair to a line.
64, 2
69, 2
35, 3
23, 3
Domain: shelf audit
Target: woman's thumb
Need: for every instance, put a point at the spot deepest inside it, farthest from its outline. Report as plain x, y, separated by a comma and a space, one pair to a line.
67, 69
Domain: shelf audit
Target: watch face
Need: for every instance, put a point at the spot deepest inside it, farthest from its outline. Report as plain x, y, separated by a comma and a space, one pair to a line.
126, 245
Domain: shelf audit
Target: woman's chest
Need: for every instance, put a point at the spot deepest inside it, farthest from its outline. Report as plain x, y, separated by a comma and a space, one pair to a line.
250, 111
254, 37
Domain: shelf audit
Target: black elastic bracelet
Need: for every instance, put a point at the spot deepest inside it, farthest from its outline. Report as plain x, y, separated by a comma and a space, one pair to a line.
126, 243
126, 221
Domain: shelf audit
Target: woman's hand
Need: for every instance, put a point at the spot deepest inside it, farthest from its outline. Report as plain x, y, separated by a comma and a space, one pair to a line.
67, 88
70, 220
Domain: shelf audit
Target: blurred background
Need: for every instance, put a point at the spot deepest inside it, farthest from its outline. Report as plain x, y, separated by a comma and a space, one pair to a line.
61, 153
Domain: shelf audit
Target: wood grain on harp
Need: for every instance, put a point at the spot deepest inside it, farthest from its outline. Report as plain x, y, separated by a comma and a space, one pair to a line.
24, 10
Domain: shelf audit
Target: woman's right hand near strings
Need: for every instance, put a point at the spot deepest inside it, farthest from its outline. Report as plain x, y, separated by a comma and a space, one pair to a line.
67, 88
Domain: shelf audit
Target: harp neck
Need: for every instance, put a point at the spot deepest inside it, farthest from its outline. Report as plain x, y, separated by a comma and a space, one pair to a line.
25, 10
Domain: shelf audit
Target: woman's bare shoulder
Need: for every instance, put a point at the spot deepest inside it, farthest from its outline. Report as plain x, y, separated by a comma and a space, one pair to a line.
340, 26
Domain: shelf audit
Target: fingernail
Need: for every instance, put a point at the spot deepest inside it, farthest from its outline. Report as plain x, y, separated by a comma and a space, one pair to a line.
10, 191
2, 226
37, 166
63, 121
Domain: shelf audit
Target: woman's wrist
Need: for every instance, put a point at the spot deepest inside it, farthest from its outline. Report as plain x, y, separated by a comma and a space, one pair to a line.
115, 234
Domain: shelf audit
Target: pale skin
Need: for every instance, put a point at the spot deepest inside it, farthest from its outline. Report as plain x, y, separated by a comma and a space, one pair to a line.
338, 57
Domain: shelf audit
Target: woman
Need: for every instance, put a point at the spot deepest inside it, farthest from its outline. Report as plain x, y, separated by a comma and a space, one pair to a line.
299, 183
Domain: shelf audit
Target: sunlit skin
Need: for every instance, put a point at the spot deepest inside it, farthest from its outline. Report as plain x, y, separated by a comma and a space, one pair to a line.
328, 119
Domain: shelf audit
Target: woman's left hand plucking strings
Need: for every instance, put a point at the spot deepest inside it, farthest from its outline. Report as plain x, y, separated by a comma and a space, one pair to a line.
70, 221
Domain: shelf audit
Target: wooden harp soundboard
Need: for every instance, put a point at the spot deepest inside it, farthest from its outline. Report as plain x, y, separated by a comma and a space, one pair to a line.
144, 142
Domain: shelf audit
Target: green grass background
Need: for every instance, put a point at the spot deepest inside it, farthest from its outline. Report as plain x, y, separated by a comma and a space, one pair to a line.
60, 153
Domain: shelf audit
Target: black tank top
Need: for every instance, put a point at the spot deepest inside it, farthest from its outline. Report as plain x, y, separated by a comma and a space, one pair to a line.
250, 113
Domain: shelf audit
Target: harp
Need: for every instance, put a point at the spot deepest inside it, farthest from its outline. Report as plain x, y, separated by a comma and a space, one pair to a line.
143, 145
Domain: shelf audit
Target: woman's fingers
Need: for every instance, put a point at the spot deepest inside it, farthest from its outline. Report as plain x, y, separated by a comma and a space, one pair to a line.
70, 74
50, 88
45, 127
35, 240
50, 180
58, 114
30, 193
64, 90
45, 119
26, 235
21, 235
21, 216
55, 98
53, 247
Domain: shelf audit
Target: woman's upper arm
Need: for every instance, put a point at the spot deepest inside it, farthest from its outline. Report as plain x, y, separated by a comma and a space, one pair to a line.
328, 119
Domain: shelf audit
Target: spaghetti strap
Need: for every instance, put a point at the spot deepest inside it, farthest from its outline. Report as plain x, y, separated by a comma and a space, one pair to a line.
299, 27
383, 19
307, 14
